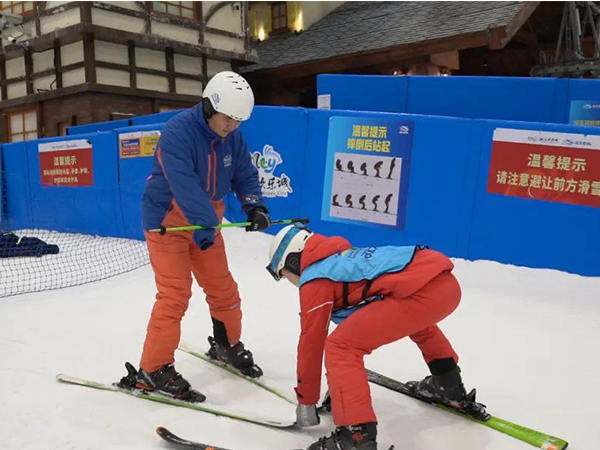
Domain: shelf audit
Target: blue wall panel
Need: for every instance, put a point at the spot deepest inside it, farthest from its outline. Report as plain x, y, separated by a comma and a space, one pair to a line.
155, 118
437, 212
84, 209
132, 176
283, 129
529, 232
18, 212
98, 126
362, 93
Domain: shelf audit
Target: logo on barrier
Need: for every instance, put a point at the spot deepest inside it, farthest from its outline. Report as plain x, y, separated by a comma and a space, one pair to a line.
271, 184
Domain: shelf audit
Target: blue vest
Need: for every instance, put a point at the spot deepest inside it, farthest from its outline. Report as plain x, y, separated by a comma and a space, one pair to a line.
357, 264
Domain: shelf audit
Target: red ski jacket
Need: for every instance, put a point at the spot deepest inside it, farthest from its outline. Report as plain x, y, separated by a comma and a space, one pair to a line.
318, 298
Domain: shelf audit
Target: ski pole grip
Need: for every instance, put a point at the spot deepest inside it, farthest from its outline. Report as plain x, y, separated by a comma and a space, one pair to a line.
301, 220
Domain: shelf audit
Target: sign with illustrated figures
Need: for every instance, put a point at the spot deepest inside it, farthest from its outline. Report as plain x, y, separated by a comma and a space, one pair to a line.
546, 165
367, 170
266, 162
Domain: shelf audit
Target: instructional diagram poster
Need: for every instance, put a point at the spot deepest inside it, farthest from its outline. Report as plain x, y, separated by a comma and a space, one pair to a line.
585, 112
544, 165
137, 144
367, 168
66, 163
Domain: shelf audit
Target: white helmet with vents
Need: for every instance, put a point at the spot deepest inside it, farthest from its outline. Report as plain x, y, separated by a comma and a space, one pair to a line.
290, 240
230, 94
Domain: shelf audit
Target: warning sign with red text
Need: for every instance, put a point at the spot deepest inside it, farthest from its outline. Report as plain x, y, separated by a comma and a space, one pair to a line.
66, 163
545, 165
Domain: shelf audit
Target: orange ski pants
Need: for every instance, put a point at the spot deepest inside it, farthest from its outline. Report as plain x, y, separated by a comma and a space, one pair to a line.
380, 323
174, 258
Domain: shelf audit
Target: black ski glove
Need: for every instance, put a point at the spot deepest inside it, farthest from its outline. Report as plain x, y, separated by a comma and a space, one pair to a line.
259, 219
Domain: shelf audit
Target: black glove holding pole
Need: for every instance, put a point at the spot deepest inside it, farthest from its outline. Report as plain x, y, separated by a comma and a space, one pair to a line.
259, 219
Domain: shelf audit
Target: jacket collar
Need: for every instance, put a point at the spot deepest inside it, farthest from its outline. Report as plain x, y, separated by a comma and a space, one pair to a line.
198, 115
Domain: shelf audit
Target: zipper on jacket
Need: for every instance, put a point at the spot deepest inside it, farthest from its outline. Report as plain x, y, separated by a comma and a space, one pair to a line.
214, 170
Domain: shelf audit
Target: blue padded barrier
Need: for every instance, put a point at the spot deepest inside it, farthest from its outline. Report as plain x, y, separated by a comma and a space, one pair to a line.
91, 209
438, 212
284, 130
18, 209
529, 232
154, 118
132, 176
98, 126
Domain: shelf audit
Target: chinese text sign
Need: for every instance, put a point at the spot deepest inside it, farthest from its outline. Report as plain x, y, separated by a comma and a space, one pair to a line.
66, 163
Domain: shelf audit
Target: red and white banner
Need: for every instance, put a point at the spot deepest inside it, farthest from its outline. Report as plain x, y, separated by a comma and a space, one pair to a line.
66, 163
545, 165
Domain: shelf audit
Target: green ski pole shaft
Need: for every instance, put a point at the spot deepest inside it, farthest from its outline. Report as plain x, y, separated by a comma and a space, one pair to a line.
163, 230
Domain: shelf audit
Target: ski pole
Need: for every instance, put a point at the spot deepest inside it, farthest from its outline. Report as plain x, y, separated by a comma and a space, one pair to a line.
163, 230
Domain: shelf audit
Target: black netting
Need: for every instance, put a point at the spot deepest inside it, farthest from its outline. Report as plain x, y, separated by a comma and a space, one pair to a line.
37, 260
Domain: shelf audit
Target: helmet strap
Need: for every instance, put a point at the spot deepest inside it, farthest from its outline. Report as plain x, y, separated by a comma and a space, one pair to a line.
207, 108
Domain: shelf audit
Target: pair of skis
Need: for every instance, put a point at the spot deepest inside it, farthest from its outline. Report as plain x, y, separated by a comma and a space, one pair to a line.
473, 411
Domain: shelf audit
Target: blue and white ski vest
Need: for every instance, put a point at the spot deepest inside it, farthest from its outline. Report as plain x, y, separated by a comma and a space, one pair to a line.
357, 264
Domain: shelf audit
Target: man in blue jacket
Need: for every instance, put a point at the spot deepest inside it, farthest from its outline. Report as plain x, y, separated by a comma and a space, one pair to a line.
201, 156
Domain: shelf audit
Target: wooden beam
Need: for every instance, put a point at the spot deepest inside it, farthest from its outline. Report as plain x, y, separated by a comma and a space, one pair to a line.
58, 64
131, 57
246, 26
28, 71
170, 63
518, 21
89, 58
85, 13
204, 71
200, 18
3, 88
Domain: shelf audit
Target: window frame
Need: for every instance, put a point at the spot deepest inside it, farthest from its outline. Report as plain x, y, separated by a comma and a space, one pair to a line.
25, 132
11, 6
286, 26
178, 5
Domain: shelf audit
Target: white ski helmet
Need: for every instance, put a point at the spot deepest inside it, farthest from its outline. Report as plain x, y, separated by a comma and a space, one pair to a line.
229, 93
290, 239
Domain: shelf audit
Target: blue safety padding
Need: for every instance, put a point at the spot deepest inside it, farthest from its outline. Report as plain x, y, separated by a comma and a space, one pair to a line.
132, 176
17, 213
361, 93
155, 118
530, 232
437, 210
84, 209
284, 129
98, 126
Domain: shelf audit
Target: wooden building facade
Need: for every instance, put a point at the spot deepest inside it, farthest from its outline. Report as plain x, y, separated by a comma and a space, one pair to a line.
79, 62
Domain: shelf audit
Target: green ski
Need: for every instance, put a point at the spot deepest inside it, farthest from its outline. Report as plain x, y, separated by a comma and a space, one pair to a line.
533, 437
174, 402
187, 349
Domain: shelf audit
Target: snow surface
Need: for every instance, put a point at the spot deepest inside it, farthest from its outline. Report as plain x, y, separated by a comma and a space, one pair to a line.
528, 340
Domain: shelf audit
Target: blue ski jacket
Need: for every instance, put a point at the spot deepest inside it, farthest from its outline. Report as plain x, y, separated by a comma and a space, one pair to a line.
194, 167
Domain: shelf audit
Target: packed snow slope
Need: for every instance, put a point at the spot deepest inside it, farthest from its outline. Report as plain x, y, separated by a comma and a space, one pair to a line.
528, 341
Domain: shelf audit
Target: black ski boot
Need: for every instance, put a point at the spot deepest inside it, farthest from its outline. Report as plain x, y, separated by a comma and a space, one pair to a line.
446, 388
354, 437
165, 380
235, 356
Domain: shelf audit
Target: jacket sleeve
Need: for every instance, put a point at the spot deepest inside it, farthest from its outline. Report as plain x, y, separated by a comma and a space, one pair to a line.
174, 155
315, 311
245, 177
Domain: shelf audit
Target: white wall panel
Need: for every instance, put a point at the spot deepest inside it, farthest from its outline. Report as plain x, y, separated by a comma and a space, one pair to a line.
43, 60
152, 82
188, 64
119, 21
15, 67
71, 53
128, 5
189, 87
44, 84
15, 90
175, 33
213, 66
74, 77
110, 52
150, 59
225, 42
112, 77
59, 20
226, 18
